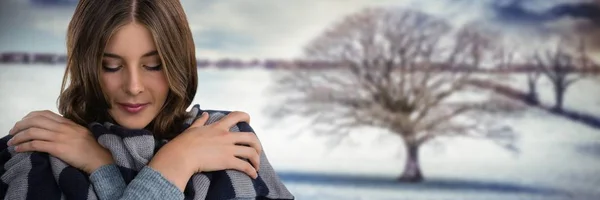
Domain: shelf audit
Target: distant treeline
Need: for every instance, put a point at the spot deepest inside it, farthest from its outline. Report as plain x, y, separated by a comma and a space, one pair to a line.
57, 59
228, 63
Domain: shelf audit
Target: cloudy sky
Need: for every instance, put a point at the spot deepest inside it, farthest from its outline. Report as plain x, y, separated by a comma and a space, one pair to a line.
260, 29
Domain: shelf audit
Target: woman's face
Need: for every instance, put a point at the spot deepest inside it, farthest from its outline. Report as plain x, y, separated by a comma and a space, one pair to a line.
132, 77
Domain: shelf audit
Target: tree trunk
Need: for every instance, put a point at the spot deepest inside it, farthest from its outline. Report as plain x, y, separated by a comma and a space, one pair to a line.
532, 96
559, 94
412, 168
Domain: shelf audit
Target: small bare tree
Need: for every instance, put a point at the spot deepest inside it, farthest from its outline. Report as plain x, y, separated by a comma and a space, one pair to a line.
533, 75
400, 70
563, 68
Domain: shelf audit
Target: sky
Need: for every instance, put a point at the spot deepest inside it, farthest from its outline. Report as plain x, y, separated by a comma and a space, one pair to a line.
268, 28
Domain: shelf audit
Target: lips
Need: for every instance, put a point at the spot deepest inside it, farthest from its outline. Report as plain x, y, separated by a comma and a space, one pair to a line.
132, 108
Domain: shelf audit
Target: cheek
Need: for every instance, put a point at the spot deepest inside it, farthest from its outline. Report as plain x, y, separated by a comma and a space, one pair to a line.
109, 84
161, 86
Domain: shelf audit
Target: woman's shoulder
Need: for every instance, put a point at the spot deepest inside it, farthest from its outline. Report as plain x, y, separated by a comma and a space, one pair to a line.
4, 141
5, 151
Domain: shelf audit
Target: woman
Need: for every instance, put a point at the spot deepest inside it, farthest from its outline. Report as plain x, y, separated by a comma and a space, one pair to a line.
132, 67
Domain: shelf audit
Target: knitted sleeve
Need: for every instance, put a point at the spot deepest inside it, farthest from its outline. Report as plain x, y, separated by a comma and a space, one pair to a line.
148, 184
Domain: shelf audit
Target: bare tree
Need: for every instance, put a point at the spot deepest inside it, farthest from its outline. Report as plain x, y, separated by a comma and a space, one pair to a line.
563, 68
512, 57
533, 75
400, 70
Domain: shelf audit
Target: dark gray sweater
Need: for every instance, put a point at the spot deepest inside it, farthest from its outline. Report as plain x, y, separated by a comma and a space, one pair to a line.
36, 175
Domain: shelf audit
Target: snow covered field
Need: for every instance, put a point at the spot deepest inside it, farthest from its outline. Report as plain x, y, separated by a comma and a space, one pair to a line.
558, 158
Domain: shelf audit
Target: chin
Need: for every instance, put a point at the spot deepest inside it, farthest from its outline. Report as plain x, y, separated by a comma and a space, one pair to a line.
132, 123
139, 121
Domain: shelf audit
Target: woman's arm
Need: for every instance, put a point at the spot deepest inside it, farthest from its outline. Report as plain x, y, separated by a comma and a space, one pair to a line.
170, 169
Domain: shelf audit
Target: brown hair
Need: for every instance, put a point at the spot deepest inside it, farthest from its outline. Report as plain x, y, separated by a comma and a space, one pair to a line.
92, 25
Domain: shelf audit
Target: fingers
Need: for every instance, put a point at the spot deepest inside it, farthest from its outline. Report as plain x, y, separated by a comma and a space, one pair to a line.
248, 153
36, 145
32, 134
247, 138
243, 166
200, 121
38, 121
232, 119
48, 114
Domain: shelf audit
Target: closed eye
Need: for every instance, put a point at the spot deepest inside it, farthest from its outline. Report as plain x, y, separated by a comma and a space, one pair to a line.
154, 68
107, 68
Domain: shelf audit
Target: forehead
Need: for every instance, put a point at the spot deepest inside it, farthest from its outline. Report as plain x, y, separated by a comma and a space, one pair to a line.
131, 41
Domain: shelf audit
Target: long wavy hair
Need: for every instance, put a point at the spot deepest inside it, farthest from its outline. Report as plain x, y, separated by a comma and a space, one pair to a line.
93, 22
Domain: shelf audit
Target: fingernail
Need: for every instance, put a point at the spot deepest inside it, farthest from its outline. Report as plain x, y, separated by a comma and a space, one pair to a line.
9, 143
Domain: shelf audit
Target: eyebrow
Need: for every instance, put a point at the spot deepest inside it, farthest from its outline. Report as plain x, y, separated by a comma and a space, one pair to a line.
151, 53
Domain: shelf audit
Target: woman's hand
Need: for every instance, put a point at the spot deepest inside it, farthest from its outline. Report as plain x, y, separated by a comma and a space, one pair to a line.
45, 131
208, 148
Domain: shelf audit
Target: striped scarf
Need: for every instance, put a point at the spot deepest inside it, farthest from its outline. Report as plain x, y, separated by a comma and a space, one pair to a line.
36, 175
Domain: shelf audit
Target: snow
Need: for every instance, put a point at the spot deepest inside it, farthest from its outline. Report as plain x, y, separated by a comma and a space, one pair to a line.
557, 158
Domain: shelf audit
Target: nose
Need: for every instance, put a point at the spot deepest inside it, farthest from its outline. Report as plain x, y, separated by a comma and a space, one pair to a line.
134, 83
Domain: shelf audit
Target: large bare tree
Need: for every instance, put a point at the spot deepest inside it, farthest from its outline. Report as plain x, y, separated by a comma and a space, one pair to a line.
400, 70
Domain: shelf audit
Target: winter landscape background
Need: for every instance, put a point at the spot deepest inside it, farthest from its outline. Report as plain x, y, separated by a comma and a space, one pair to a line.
556, 155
